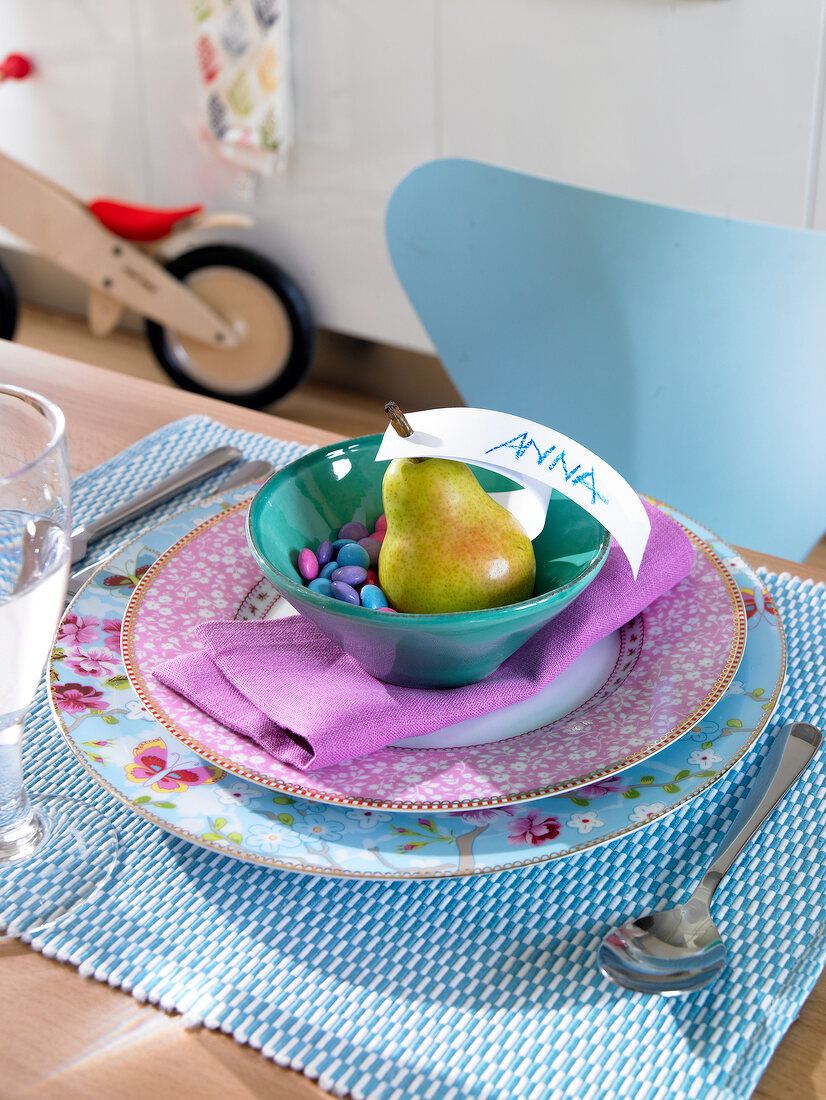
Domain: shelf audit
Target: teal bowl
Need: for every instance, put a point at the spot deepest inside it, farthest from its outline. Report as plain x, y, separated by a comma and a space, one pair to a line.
308, 500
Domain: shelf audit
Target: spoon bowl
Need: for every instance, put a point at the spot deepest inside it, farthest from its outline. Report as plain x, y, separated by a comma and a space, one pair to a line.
680, 950
673, 952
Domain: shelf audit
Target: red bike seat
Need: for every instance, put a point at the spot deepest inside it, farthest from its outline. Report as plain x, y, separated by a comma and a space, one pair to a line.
139, 223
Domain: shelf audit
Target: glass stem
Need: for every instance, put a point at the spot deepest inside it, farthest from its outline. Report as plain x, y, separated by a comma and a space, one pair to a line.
20, 828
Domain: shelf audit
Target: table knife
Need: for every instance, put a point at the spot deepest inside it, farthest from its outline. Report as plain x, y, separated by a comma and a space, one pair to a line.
193, 472
246, 473
256, 469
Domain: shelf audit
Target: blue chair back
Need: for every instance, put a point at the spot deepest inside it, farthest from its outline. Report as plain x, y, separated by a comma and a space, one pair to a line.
686, 350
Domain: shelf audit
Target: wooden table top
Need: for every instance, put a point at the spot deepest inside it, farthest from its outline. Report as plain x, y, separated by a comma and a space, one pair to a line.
66, 1037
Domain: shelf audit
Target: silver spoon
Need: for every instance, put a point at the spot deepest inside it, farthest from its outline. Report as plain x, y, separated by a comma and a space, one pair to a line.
680, 950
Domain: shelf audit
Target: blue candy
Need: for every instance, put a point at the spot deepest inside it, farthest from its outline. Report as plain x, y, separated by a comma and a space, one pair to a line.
353, 554
321, 585
340, 590
337, 545
350, 574
328, 570
371, 596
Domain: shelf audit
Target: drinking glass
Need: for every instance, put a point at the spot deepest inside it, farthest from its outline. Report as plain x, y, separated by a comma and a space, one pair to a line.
55, 851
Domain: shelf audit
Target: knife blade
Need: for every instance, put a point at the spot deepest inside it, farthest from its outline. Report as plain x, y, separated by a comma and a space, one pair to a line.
256, 469
197, 470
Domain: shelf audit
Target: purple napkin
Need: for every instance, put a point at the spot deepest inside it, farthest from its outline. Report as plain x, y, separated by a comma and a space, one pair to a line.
285, 685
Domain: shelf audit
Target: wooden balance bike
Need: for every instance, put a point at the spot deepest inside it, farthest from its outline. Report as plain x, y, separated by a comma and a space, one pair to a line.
220, 319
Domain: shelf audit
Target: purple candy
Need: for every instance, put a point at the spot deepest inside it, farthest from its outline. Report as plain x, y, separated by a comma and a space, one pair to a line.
339, 590
307, 564
373, 548
350, 574
353, 530
324, 552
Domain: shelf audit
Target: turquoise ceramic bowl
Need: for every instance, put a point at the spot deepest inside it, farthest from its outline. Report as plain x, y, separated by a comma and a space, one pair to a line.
308, 500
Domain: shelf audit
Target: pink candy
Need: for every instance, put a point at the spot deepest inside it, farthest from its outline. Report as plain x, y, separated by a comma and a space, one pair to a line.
307, 564
381, 529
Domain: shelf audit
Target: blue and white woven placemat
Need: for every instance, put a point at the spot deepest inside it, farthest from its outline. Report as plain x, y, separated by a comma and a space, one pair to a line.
474, 987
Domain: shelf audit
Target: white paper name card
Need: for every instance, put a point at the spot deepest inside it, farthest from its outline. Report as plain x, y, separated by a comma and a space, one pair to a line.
536, 457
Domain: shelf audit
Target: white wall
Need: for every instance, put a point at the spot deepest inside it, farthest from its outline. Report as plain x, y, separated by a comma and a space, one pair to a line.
715, 105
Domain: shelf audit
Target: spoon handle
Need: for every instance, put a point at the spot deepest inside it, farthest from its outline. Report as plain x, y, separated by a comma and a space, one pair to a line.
792, 751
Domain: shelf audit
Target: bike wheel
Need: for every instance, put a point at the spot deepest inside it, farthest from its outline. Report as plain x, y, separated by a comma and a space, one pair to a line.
252, 293
8, 306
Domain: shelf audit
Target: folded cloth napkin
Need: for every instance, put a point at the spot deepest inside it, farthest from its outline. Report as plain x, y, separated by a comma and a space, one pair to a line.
297, 695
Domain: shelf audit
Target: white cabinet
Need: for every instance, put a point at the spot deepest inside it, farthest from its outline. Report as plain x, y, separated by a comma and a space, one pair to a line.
713, 105
703, 104
78, 118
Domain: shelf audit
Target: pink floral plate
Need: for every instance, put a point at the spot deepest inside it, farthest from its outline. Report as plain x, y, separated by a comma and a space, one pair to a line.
621, 702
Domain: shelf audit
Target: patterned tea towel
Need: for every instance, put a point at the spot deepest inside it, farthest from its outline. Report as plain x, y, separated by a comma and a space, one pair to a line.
243, 54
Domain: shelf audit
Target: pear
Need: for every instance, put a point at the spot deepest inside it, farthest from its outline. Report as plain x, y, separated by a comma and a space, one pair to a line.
448, 545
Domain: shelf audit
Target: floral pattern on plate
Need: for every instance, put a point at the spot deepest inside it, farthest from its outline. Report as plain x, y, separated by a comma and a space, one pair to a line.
124, 749
674, 663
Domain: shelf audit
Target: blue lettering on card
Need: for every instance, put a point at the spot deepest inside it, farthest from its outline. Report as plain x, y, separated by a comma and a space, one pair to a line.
521, 444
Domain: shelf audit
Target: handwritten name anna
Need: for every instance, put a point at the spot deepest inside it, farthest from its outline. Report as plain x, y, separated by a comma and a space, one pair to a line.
522, 445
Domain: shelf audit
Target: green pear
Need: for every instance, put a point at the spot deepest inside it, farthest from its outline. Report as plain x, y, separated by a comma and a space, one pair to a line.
449, 546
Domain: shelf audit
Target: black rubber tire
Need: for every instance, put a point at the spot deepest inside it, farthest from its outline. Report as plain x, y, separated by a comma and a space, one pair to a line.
9, 308
299, 361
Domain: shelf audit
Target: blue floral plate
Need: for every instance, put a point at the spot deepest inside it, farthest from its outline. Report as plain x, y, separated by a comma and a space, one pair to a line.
123, 748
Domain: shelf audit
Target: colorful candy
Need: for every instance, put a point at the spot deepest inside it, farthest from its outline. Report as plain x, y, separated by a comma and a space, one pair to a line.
308, 564
353, 554
372, 546
373, 597
345, 567
340, 590
350, 574
353, 530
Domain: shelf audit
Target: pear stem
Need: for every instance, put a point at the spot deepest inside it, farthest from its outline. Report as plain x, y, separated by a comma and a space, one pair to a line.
400, 423
398, 419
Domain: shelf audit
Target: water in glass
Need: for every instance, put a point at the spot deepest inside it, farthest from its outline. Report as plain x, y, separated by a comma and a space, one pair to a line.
39, 834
